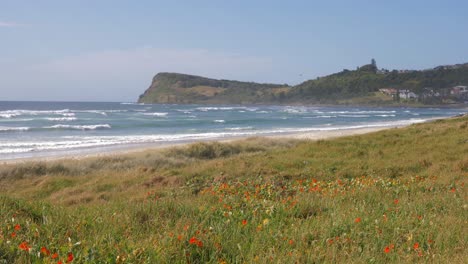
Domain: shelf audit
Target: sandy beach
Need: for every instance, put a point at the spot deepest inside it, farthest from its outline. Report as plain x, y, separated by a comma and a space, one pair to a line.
136, 148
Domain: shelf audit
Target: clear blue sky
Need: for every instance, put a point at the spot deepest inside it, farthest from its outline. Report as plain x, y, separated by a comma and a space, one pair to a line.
109, 50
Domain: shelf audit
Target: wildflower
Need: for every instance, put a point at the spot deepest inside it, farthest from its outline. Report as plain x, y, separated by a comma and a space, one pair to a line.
45, 251
17, 227
244, 222
357, 220
70, 257
195, 241
13, 235
266, 221
453, 190
59, 262
291, 241
416, 246
396, 201
24, 246
387, 250
54, 256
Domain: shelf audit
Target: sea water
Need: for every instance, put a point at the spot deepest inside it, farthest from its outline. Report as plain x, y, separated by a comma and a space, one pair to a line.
41, 129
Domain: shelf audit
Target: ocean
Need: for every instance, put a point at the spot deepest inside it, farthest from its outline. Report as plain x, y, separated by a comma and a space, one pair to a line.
43, 129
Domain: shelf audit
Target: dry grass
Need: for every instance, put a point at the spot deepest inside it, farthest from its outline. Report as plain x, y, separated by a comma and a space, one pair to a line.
350, 199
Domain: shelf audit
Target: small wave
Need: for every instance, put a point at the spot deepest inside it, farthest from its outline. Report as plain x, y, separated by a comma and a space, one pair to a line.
79, 127
224, 108
238, 128
155, 114
295, 110
219, 121
61, 118
8, 116
18, 112
354, 116
14, 129
386, 115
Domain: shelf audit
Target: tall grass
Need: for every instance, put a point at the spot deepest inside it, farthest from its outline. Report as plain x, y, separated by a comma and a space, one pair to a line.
392, 196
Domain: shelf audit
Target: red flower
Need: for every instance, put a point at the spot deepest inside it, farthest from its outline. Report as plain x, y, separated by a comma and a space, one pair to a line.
59, 262
453, 190
291, 242
244, 222
13, 235
45, 251
396, 201
387, 249
24, 246
70, 257
17, 227
195, 241
416, 245
54, 256
357, 220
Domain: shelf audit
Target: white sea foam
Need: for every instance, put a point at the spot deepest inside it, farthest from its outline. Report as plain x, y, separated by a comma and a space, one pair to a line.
18, 112
386, 115
83, 142
13, 129
61, 118
354, 116
79, 127
155, 114
238, 128
220, 121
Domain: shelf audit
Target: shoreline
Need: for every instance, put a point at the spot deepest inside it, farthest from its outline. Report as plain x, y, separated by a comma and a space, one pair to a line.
128, 149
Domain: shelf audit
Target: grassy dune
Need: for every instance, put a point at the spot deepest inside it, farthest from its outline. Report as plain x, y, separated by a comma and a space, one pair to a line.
393, 196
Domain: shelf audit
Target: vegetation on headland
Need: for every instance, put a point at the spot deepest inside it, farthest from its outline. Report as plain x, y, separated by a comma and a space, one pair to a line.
360, 86
392, 196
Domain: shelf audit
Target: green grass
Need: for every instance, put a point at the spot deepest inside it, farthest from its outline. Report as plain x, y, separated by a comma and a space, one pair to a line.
349, 199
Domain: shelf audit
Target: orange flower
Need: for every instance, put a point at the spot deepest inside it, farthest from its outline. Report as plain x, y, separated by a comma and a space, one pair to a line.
291, 242
54, 256
17, 227
24, 246
387, 249
45, 251
70, 257
195, 241
244, 222
453, 190
396, 201
357, 220
59, 262
416, 245
13, 235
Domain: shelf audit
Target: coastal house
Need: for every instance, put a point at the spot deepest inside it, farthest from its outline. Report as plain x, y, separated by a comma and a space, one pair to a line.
459, 90
388, 91
407, 94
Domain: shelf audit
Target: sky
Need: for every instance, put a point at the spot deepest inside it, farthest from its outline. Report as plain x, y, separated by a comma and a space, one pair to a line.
109, 50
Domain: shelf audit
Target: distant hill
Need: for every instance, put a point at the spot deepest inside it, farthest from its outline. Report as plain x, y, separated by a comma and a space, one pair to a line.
360, 86
183, 88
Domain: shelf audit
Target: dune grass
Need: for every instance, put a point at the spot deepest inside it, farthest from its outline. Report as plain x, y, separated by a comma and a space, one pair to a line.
393, 196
